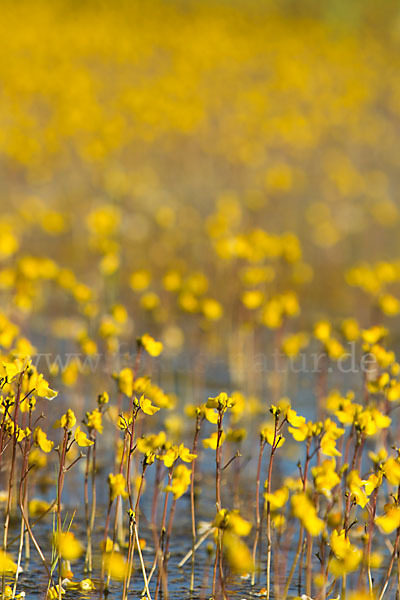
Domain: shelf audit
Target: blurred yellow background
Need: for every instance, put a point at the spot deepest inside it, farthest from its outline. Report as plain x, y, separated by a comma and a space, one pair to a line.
208, 168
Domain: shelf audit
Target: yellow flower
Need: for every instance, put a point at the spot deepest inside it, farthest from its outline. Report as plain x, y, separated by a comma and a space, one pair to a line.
150, 345
303, 432
384, 358
125, 381
38, 507
237, 554
147, 407
389, 305
212, 441
373, 482
393, 392
140, 280
290, 303
82, 439
53, 592
221, 402
41, 387
322, 330
70, 373
355, 484
117, 485
172, 280
378, 457
151, 442
305, 511
328, 440
150, 301
22, 433
8, 593
11, 369
237, 524
348, 413
88, 346
169, 457
292, 344
104, 220
115, 565
294, 419
379, 384
278, 498
252, 299
103, 399
185, 454
124, 420
27, 404
7, 565
68, 546
188, 302
67, 421
278, 521
390, 520
36, 459
391, 469
119, 313
346, 557
211, 415
94, 420
149, 458
106, 546
230, 520
373, 334
371, 420
334, 348
350, 329
328, 446
109, 263
272, 315
180, 481
268, 434
40, 439
325, 477
212, 309
235, 550
108, 328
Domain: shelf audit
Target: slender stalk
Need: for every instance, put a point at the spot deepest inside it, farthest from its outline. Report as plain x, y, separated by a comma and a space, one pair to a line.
93, 512
218, 553
88, 557
348, 499
167, 540
218, 464
301, 532
371, 525
192, 502
308, 564
60, 485
156, 493
389, 571
160, 549
11, 475
258, 518
114, 536
274, 446
22, 500
134, 522
146, 583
